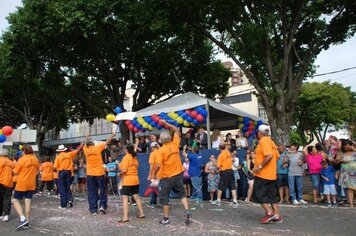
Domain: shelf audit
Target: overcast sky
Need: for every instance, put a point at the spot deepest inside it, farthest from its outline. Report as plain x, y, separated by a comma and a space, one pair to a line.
337, 57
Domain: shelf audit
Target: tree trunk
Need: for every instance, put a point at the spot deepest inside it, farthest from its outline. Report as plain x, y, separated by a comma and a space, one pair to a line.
40, 139
280, 127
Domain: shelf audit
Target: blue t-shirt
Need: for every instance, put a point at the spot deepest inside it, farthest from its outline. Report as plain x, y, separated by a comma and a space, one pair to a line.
111, 165
281, 170
195, 163
330, 174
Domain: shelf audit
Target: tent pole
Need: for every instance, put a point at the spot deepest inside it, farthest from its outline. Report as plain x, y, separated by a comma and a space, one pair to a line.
208, 124
131, 137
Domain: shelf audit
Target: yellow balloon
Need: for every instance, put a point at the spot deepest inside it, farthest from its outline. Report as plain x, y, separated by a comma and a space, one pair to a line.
145, 125
240, 119
174, 116
241, 126
110, 117
171, 114
186, 123
20, 147
0, 131
180, 120
140, 120
150, 127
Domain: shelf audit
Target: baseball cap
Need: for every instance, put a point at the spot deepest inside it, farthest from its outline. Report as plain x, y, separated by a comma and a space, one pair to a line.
263, 128
154, 144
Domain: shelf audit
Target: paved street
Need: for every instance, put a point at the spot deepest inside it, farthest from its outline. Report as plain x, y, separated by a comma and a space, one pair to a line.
47, 219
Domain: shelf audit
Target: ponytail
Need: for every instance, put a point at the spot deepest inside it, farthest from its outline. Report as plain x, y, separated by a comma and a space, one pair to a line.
131, 150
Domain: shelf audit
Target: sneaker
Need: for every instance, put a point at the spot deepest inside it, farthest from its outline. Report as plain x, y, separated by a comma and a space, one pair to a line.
246, 200
211, 201
62, 208
303, 202
188, 217
164, 222
329, 204
278, 220
70, 204
5, 218
268, 218
235, 203
295, 202
134, 204
152, 206
217, 203
102, 211
23, 224
93, 213
335, 204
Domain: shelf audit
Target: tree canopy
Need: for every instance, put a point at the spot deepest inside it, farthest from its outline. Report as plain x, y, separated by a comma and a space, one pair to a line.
321, 105
274, 42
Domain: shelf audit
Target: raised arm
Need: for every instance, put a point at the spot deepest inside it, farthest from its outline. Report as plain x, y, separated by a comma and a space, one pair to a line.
110, 138
185, 154
171, 127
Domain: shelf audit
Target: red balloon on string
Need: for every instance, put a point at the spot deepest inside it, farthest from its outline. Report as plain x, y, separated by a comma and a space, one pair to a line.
199, 118
194, 114
7, 130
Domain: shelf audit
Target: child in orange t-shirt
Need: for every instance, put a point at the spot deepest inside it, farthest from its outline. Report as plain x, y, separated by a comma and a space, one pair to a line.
47, 175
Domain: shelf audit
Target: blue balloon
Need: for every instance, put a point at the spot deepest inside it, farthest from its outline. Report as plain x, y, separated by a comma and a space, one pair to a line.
199, 109
138, 126
244, 129
203, 112
159, 127
189, 119
118, 110
184, 115
259, 122
2, 138
180, 113
162, 114
195, 122
153, 124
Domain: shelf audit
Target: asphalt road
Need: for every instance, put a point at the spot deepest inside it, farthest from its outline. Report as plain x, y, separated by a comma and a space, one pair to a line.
47, 219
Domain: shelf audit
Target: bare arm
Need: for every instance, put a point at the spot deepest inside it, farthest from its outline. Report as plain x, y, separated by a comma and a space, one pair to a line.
185, 154
305, 151
110, 138
171, 127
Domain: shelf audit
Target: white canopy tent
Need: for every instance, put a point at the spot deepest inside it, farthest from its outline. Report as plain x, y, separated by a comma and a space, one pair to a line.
220, 116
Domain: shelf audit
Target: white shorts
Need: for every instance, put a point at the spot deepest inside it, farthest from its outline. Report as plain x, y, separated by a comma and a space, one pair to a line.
329, 189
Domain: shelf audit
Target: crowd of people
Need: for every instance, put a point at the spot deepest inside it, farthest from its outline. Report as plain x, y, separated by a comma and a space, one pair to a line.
245, 169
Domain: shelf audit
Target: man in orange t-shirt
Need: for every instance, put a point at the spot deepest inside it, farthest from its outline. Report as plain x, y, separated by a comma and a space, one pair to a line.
96, 182
170, 171
265, 187
64, 165
227, 178
26, 170
46, 170
6, 166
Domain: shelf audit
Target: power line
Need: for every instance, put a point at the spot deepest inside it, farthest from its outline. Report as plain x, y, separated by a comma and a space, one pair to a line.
334, 72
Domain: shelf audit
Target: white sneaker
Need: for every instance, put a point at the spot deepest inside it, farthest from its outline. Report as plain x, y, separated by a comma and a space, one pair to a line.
295, 202
217, 203
5, 218
303, 202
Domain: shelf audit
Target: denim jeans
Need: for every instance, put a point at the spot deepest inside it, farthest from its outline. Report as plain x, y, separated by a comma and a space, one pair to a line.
97, 191
292, 180
64, 187
197, 185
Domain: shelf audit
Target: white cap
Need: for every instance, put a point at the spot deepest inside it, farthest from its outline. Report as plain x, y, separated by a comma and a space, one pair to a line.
264, 129
61, 148
154, 144
3, 152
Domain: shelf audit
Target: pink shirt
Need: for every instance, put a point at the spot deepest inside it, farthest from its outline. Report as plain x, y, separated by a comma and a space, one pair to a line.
314, 163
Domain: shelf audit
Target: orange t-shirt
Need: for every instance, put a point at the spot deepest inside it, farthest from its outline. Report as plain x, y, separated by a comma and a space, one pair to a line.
6, 167
14, 178
64, 160
224, 161
130, 164
47, 171
55, 175
26, 169
264, 148
169, 158
94, 161
152, 161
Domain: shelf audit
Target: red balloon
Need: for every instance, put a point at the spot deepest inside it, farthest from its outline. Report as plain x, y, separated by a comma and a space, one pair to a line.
7, 130
188, 112
131, 127
199, 118
128, 122
155, 118
194, 114
136, 130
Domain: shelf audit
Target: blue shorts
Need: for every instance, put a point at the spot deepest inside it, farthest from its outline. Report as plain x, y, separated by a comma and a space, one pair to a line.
315, 179
19, 195
329, 189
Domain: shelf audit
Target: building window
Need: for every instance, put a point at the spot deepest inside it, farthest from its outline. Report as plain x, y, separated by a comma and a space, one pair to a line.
261, 111
237, 99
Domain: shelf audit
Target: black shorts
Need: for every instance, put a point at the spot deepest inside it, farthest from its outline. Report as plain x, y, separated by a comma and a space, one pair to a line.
130, 190
186, 180
19, 195
174, 183
265, 191
227, 180
282, 180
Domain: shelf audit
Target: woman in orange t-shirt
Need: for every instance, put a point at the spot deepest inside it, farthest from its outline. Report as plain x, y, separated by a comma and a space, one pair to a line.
47, 175
130, 185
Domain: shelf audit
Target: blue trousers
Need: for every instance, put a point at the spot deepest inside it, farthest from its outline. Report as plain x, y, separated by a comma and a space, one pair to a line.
242, 186
97, 191
153, 200
197, 185
292, 180
64, 177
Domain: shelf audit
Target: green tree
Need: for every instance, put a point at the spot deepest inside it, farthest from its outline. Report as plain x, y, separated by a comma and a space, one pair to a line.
274, 42
321, 105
